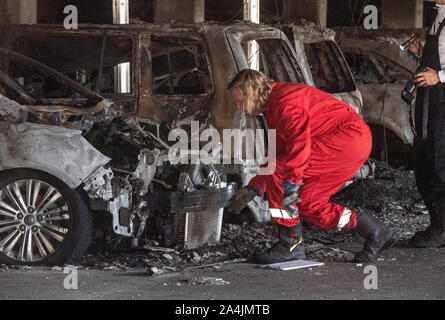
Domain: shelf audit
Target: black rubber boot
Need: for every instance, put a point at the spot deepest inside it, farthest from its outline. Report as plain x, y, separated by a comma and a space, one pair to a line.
378, 237
434, 235
289, 248
431, 237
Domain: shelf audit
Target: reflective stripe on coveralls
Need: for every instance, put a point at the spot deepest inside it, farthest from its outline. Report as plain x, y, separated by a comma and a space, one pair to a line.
280, 214
344, 219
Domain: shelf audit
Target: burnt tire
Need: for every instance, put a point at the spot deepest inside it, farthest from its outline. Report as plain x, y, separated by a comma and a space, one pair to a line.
49, 222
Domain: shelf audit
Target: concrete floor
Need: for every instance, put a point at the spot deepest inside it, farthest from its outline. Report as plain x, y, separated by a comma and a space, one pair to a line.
403, 273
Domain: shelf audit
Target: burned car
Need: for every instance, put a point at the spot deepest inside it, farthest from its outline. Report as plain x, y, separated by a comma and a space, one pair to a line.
86, 122
381, 69
329, 70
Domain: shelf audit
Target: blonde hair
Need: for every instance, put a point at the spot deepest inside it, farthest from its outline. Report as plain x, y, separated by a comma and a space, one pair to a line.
255, 86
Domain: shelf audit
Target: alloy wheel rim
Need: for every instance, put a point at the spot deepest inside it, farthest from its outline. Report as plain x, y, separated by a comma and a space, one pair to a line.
35, 220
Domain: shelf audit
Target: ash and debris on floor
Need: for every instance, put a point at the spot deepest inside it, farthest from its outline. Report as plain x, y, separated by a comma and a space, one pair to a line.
391, 195
203, 281
238, 242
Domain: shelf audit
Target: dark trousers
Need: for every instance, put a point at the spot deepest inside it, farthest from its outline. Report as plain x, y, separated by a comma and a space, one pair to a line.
429, 164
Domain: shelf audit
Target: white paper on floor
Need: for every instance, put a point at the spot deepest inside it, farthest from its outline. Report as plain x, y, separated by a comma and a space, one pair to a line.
294, 264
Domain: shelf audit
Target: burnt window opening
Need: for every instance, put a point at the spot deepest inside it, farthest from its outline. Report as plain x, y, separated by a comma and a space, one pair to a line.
372, 69
77, 56
29, 83
329, 71
36, 84
179, 66
276, 60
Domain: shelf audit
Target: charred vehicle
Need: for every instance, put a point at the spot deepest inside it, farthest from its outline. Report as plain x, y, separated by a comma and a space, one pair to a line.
381, 69
329, 70
80, 150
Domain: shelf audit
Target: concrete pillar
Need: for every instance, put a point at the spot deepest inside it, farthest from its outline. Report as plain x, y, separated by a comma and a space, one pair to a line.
121, 12
122, 75
402, 13
18, 11
199, 11
252, 14
418, 20
252, 11
323, 13
311, 10
183, 11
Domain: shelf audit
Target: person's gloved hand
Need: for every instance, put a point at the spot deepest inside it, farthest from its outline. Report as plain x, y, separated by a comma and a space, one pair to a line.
241, 198
290, 197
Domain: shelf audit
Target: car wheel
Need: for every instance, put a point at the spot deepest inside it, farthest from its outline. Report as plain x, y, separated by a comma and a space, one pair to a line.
42, 220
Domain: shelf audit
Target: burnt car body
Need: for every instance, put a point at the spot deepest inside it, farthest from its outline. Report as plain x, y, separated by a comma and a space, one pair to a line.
381, 70
329, 70
71, 145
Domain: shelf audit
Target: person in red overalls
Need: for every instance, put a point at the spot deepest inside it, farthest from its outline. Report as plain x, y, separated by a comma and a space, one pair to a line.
321, 143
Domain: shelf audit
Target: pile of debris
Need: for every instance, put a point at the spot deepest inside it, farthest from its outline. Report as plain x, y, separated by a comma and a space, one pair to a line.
390, 195
238, 242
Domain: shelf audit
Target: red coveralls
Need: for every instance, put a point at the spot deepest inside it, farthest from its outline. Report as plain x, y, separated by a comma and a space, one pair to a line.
321, 142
